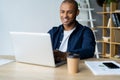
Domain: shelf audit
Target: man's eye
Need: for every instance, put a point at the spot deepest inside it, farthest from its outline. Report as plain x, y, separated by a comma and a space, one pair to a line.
62, 11
70, 12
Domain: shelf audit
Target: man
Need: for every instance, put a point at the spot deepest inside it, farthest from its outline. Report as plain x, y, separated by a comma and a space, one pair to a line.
70, 36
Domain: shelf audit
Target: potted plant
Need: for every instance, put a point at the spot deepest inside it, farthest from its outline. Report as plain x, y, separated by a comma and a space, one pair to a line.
108, 2
101, 2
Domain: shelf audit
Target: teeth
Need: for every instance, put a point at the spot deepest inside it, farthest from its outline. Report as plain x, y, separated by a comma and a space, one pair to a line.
65, 20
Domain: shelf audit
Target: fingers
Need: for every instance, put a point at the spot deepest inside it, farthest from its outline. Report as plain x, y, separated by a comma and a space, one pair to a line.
58, 55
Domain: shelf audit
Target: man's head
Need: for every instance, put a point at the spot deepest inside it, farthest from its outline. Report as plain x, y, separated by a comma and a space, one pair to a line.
68, 12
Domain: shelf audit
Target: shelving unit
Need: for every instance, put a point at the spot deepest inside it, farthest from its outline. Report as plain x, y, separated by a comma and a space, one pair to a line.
109, 46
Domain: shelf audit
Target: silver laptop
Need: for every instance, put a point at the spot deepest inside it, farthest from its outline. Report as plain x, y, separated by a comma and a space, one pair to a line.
34, 48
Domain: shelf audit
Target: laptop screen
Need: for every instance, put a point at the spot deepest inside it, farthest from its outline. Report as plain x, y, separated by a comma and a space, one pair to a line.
34, 48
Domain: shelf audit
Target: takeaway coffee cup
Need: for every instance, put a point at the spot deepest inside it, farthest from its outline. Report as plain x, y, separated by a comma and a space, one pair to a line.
73, 63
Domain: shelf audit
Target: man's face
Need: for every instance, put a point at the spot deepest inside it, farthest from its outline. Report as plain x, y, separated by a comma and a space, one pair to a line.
67, 14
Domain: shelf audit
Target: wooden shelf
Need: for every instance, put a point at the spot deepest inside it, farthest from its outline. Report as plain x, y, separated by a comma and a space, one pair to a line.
103, 12
112, 27
102, 27
112, 44
116, 43
102, 41
107, 12
115, 27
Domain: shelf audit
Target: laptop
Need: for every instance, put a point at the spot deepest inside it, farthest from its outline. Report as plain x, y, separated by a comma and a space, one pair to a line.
34, 48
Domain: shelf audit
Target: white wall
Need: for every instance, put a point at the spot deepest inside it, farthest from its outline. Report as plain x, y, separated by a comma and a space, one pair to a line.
26, 15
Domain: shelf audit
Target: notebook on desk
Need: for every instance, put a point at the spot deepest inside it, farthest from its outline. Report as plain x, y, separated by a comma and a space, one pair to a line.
34, 48
104, 67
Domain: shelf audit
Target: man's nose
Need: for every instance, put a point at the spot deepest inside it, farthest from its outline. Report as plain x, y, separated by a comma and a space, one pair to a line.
65, 14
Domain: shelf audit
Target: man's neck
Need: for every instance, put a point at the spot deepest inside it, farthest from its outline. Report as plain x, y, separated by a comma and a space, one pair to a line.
69, 27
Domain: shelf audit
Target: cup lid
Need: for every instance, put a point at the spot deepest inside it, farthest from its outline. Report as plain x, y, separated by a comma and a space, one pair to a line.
73, 55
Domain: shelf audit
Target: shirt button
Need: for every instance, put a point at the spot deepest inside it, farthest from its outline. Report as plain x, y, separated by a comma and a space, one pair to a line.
57, 49
60, 41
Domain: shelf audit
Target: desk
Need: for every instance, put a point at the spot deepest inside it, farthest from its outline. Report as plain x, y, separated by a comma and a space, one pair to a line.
22, 71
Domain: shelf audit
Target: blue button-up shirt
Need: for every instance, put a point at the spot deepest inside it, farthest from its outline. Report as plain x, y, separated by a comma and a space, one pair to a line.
81, 41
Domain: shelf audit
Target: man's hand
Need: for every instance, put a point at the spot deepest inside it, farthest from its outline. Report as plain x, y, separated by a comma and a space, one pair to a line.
58, 55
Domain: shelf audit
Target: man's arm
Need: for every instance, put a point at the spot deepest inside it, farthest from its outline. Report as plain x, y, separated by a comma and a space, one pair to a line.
88, 45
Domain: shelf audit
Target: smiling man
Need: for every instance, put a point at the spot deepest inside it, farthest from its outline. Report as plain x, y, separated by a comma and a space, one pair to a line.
71, 36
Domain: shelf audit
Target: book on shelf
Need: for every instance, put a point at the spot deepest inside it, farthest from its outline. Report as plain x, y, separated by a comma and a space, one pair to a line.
117, 35
109, 22
116, 19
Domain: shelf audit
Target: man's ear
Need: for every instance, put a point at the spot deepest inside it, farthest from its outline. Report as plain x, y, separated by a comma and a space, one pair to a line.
78, 11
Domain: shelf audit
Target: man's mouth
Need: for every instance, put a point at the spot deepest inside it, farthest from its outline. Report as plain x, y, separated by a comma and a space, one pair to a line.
65, 20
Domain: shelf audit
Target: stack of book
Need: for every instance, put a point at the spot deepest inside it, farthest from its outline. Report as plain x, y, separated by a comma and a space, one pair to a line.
116, 19
117, 35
